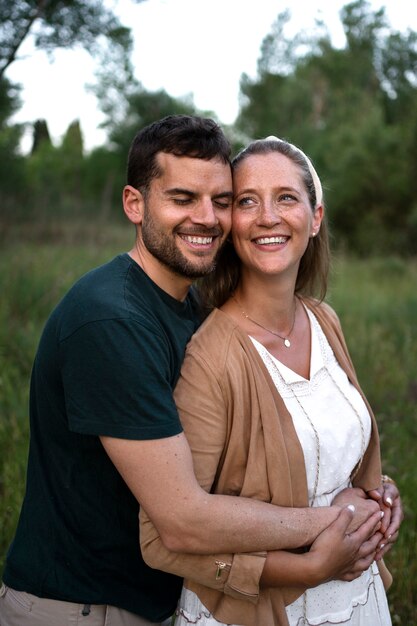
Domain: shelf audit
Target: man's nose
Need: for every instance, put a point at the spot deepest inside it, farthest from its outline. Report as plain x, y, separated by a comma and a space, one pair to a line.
205, 213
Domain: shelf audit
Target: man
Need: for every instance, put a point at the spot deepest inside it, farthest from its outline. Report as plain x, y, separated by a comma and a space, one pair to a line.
105, 433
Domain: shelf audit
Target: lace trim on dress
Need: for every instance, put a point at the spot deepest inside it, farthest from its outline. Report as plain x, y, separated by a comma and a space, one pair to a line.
193, 619
301, 387
345, 616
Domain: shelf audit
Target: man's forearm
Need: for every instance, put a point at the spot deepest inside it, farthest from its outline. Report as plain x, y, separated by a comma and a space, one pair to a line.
160, 475
235, 524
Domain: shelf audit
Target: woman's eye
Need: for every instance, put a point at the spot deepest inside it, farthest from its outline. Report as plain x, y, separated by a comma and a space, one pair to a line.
245, 201
287, 197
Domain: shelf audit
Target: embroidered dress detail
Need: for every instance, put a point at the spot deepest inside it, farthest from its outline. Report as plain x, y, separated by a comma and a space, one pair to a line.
191, 611
195, 613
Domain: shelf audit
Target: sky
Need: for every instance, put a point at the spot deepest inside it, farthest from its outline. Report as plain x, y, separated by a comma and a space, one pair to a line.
198, 47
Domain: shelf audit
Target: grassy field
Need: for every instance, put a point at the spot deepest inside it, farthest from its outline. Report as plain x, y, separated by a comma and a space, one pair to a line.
376, 300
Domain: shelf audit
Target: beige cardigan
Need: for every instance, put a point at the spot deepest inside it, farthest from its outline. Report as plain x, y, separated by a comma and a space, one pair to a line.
244, 443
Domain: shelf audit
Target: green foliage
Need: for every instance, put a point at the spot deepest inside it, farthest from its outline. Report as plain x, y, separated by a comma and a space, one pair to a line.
34, 276
55, 179
40, 135
115, 78
377, 304
12, 169
56, 24
103, 179
371, 162
67, 24
145, 107
61, 181
9, 100
354, 111
45, 181
13, 162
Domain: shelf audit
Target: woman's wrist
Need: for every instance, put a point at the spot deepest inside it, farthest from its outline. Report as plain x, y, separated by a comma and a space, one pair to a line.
312, 570
293, 569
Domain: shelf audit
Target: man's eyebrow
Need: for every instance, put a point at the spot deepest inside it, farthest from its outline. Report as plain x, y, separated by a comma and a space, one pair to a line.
178, 191
224, 194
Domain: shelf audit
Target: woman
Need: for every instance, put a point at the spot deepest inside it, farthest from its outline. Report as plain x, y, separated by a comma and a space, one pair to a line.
272, 409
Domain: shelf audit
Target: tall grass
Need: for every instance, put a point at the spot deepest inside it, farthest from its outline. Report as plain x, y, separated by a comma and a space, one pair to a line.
377, 302
375, 299
37, 267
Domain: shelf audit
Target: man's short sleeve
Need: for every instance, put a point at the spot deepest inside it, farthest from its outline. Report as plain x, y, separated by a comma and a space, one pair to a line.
118, 381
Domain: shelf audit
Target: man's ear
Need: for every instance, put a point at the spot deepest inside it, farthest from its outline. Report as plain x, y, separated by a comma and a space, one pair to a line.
133, 204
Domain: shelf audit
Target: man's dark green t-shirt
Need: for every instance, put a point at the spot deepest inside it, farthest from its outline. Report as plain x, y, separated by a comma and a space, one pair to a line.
107, 363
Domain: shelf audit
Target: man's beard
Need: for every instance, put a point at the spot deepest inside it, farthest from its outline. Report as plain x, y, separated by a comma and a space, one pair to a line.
166, 251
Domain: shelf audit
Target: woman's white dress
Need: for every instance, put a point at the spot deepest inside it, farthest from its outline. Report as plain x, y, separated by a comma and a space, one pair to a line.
327, 399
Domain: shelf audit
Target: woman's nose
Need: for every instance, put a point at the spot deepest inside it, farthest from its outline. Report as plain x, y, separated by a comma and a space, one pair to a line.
269, 214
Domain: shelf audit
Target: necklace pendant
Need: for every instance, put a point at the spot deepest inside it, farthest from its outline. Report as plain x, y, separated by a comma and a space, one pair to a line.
287, 343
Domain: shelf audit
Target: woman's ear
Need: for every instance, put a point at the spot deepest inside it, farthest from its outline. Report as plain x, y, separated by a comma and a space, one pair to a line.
133, 204
317, 219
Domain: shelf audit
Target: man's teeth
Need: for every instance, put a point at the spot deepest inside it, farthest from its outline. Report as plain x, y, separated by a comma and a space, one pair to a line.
197, 240
263, 240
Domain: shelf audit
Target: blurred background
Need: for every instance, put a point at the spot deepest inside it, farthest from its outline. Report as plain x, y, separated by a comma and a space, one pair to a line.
78, 78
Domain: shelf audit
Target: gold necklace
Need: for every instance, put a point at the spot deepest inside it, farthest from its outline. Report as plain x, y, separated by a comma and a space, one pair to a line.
286, 340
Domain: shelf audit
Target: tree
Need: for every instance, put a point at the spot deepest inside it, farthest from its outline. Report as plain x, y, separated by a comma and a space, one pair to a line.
40, 135
52, 24
144, 107
288, 94
398, 71
12, 170
56, 24
354, 111
115, 81
66, 24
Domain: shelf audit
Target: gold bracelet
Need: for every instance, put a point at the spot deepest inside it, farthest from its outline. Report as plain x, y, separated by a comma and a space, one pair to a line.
387, 479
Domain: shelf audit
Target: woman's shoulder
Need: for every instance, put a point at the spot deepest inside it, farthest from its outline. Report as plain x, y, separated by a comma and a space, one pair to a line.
322, 310
214, 332
218, 340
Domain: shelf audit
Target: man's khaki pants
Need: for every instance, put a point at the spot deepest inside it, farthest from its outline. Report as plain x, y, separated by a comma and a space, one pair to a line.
18, 608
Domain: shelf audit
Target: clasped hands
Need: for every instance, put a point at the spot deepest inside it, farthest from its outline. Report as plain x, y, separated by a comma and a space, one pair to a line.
388, 501
364, 531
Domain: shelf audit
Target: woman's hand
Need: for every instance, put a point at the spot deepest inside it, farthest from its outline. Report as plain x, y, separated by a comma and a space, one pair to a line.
334, 555
341, 555
337, 554
389, 501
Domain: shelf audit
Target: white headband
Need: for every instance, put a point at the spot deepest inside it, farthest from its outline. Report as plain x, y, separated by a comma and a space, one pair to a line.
316, 180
